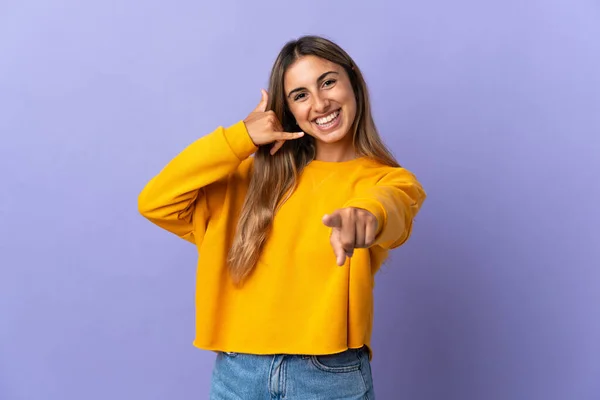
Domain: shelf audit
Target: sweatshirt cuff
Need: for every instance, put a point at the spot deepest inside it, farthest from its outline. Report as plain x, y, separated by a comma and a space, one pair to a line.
372, 206
239, 140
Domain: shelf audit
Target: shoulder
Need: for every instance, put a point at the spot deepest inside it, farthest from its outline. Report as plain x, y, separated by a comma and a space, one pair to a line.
374, 168
243, 171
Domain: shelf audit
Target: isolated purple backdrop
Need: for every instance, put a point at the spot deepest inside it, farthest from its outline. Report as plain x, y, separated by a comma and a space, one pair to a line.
495, 107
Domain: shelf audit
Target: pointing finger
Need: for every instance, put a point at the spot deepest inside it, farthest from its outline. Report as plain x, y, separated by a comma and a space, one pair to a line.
288, 135
338, 249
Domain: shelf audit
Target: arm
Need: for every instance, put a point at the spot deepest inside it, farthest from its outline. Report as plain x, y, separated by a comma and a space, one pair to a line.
170, 199
394, 201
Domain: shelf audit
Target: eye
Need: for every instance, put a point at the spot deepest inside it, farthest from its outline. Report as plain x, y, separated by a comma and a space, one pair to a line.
299, 96
328, 82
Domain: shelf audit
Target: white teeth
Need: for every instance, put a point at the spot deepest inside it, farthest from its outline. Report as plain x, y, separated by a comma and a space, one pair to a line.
330, 117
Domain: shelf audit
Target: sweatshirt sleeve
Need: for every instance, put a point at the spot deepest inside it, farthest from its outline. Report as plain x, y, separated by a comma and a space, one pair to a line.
170, 199
395, 201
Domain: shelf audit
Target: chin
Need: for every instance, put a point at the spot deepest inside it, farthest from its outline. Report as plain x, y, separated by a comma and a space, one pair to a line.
329, 137
333, 137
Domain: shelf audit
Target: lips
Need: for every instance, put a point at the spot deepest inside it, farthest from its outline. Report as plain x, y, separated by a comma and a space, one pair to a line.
327, 119
328, 122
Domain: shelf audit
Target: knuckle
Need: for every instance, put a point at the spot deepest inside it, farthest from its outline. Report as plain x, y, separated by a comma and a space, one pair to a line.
347, 244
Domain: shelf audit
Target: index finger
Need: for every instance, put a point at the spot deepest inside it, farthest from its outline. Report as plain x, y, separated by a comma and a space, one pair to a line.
288, 135
338, 248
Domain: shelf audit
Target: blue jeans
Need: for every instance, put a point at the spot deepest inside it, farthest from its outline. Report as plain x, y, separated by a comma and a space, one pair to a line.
342, 376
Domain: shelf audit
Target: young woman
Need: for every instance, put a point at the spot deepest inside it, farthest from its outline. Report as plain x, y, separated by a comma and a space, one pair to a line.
290, 239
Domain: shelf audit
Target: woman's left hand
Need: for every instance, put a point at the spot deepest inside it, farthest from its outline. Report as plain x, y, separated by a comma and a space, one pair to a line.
352, 228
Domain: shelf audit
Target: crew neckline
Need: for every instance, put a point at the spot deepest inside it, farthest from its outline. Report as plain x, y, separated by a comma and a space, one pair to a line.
336, 164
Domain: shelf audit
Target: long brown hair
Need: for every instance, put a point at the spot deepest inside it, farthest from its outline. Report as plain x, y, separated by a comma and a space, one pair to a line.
275, 177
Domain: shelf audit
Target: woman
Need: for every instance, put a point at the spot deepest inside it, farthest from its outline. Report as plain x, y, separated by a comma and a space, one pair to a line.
290, 239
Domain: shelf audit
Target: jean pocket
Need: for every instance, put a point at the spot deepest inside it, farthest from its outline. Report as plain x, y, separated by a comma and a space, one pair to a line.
346, 361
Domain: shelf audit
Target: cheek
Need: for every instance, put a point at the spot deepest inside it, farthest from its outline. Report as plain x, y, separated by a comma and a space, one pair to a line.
351, 107
300, 113
347, 97
353, 102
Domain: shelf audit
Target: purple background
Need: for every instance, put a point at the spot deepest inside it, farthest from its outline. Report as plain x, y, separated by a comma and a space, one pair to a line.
494, 105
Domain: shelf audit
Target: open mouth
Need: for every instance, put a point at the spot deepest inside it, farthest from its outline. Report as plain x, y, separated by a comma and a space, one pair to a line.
329, 121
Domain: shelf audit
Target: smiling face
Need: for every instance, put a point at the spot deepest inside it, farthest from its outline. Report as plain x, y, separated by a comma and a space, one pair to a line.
320, 97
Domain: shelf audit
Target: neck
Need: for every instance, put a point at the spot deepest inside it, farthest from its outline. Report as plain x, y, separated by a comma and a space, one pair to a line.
336, 152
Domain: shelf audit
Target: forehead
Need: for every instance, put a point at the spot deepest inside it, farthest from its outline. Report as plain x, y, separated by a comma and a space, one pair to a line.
306, 70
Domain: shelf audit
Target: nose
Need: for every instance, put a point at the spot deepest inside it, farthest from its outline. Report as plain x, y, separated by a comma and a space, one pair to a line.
321, 104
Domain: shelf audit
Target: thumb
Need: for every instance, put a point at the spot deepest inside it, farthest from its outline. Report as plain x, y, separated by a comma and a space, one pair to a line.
264, 100
333, 220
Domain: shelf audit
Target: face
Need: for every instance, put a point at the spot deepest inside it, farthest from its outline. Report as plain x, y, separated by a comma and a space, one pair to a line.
320, 96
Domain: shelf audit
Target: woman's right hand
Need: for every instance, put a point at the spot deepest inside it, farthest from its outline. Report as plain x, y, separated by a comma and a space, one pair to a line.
264, 127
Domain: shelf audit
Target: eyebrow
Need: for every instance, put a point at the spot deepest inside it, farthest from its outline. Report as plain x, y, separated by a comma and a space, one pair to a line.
318, 80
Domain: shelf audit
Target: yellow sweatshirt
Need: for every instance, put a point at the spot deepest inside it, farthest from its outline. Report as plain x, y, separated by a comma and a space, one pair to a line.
297, 300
